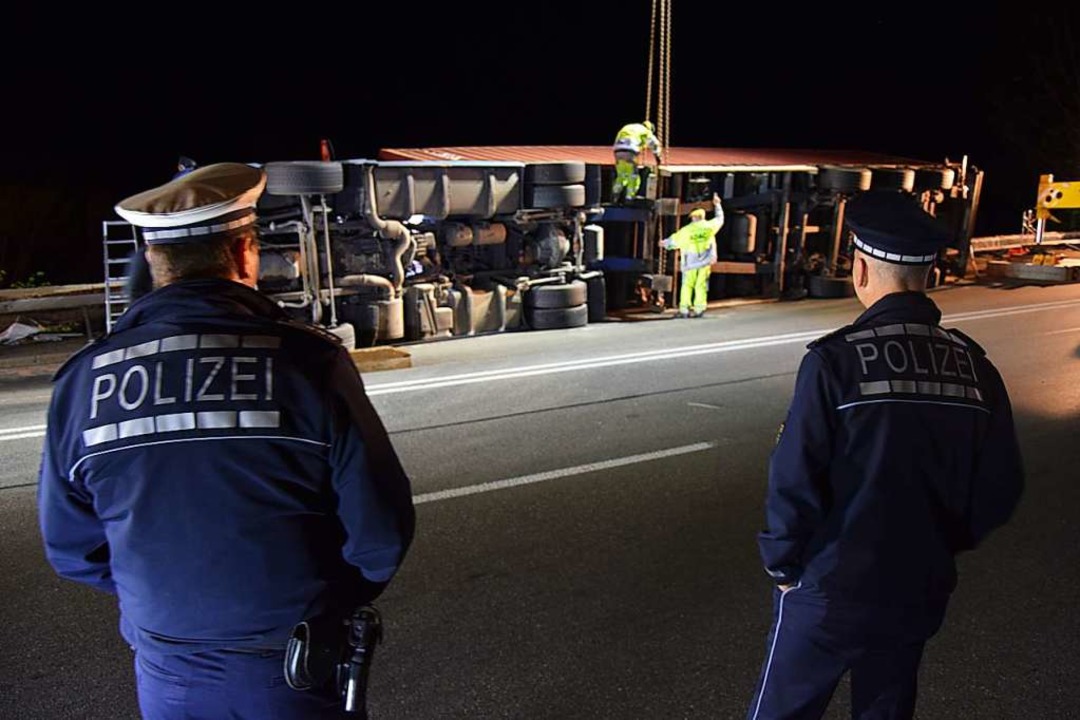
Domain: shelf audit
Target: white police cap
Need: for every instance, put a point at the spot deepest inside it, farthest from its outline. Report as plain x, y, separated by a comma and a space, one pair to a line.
892, 226
198, 205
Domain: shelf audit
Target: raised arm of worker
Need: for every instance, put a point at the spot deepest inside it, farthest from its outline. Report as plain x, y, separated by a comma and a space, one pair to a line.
797, 497
374, 494
714, 226
717, 223
718, 212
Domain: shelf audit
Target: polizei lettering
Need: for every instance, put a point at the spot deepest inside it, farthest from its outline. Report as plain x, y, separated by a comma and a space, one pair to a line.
911, 362
202, 380
185, 382
915, 357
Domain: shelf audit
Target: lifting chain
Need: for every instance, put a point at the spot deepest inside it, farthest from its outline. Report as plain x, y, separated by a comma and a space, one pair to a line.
660, 19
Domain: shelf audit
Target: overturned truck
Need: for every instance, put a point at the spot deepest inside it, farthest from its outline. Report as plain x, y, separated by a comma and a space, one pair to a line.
430, 243
405, 251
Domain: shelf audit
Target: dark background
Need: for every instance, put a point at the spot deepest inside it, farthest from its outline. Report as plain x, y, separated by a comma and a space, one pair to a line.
99, 104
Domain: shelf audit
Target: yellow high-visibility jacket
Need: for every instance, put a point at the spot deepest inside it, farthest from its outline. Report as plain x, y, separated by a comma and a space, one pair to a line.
635, 137
696, 242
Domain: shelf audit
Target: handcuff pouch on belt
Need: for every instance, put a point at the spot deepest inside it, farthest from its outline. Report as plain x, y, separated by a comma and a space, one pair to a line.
315, 649
335, 651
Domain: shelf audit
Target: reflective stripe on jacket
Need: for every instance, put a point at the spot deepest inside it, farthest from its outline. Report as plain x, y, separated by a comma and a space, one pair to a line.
636, 137
897, 453
221, 469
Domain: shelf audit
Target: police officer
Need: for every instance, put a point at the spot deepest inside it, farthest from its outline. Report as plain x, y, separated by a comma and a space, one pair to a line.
697, 252
897, 453
218, 467
629, 143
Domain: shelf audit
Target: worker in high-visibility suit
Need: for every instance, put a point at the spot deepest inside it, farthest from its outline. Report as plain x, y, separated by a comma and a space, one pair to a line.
697, 250
629, 143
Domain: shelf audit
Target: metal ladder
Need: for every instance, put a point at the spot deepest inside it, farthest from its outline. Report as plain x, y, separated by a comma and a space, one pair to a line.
119, 241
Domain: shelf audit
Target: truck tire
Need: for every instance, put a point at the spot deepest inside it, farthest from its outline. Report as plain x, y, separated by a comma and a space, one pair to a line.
845, 180
597, 299
304, 177
893, 179
557, 173
934, 179
821, 286
556, 318
554, 196
594, 187
571, 294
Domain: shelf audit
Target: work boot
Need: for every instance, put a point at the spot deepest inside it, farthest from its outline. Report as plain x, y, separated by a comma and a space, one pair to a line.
697, 313
683, 313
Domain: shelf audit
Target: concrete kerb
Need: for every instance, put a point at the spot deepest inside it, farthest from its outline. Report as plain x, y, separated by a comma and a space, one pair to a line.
31, 360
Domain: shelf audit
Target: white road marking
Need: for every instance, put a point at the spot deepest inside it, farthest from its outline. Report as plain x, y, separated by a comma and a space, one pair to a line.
556, 474
22, 436
601, 362
666, 354
27, 428
32, 431
704, 405
21, 433
1003, 312
1062, 332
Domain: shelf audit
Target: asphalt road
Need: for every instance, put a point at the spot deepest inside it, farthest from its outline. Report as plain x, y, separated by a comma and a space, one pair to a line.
588, 501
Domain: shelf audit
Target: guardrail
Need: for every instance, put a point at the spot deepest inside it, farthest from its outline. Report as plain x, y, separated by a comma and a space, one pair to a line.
51, 298
992, 243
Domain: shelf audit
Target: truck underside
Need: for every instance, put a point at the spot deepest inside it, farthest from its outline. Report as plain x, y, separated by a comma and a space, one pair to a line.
433, 243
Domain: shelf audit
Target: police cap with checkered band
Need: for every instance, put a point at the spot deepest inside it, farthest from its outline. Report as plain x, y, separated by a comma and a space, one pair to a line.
893, 227
197, 206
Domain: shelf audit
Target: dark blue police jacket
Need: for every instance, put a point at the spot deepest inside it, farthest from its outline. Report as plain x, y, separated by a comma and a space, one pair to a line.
221, 469
898, 451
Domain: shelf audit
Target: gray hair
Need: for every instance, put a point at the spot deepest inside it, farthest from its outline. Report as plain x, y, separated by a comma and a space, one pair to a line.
196, 261
910, 277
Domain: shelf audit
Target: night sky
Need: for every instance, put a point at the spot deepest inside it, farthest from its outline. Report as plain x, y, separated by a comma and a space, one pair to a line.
99, 105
